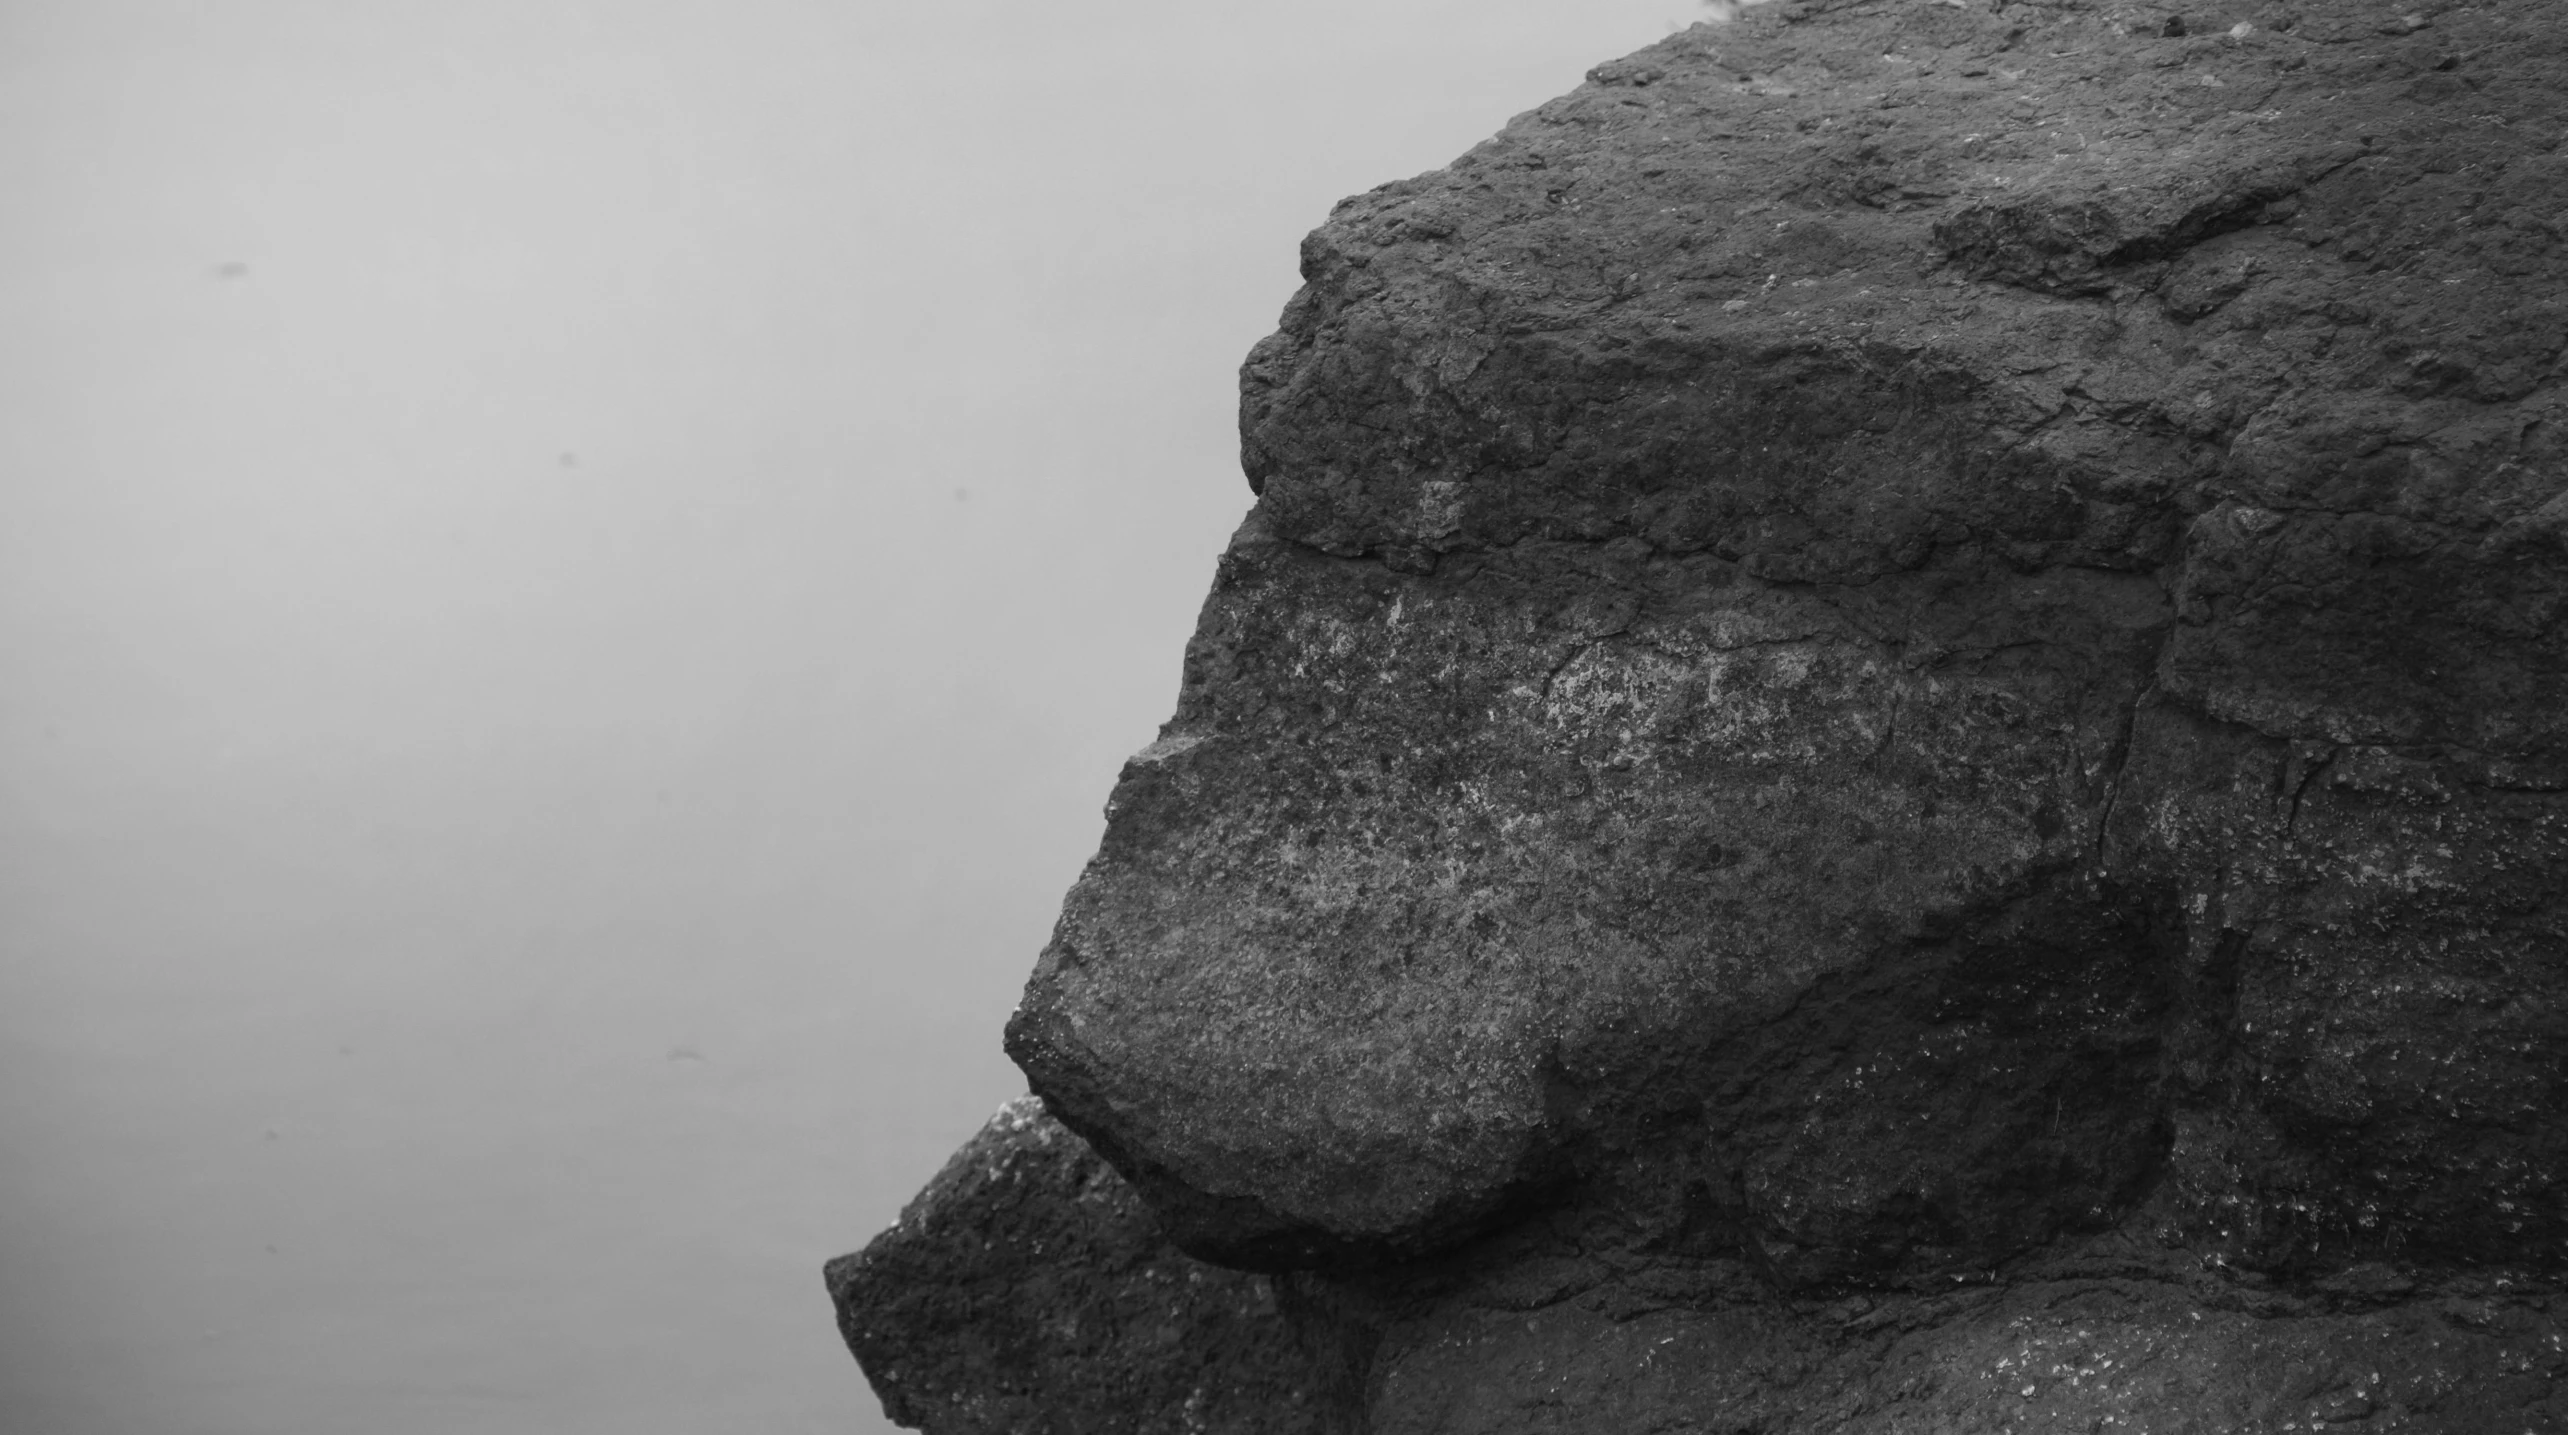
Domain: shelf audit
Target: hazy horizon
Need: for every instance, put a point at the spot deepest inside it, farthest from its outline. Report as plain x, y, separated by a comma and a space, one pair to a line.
576, 577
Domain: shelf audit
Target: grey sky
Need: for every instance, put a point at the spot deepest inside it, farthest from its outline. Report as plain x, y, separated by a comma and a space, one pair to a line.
572, 579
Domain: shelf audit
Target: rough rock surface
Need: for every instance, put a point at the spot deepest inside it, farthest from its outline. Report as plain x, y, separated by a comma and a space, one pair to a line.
1906, 653
1027, 1291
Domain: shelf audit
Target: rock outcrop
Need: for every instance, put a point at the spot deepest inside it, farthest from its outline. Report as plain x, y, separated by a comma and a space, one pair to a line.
1889, 751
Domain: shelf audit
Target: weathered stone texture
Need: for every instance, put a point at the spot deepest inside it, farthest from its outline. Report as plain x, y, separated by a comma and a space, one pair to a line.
2074, 1355
2005, 502
1901, 646
1027, 1291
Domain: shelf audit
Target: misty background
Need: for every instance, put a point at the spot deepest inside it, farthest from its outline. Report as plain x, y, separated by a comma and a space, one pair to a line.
573, 579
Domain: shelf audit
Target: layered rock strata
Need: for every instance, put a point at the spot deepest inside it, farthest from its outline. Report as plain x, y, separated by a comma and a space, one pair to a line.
1896, 709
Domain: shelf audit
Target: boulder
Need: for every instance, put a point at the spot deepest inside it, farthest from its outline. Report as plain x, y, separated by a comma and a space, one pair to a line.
1896, 709
1951, 610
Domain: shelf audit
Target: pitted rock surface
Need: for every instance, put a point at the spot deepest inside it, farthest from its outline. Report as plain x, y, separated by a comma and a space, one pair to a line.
1907, 658
1027, 1291
2027, 539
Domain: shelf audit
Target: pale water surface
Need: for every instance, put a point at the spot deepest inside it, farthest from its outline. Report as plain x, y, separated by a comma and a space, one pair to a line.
573, 576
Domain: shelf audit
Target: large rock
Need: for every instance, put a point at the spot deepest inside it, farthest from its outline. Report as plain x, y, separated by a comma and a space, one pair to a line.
1953, 612
1896, 711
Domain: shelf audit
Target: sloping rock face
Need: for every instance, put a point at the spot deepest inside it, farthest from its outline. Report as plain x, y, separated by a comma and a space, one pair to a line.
1907, 654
